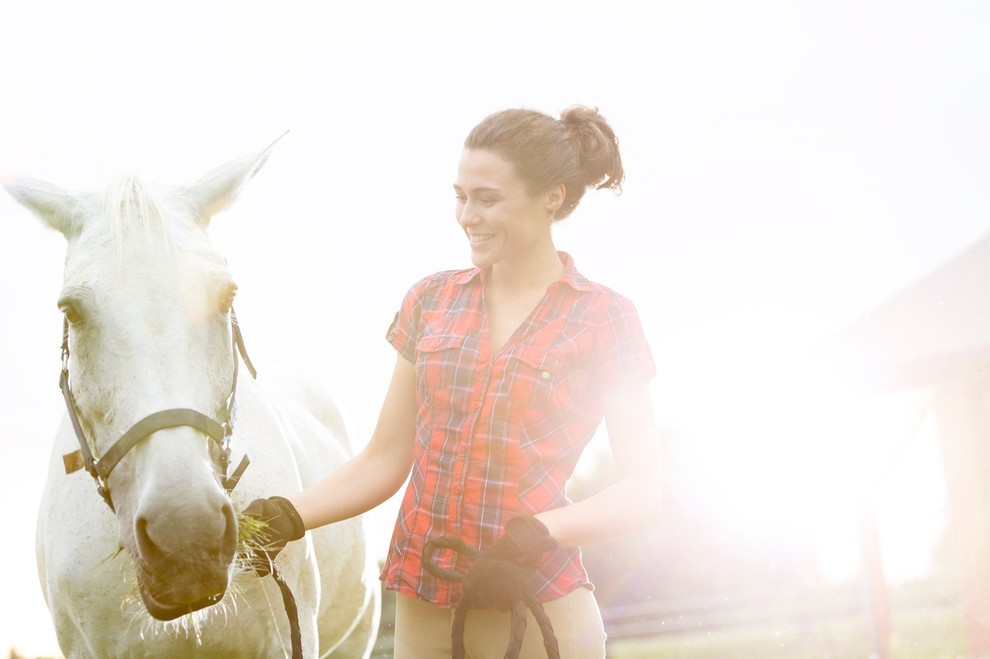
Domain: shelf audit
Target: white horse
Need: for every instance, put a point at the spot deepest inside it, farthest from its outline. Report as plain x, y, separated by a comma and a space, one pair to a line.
151, 356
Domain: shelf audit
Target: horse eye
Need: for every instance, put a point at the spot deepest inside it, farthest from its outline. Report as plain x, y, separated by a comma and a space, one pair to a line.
71, 311
227, 300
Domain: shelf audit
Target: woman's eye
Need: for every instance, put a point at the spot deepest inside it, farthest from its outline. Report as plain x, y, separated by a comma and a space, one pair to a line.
483, 201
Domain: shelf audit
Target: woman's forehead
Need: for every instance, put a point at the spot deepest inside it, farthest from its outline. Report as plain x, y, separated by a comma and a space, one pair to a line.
481, 168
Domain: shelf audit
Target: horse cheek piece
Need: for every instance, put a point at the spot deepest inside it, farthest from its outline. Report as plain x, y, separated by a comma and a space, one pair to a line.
219, 432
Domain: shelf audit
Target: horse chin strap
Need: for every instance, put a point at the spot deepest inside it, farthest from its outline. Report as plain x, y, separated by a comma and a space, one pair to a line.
218, 432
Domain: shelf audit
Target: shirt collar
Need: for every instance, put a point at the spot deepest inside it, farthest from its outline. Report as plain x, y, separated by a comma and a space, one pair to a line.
571, 276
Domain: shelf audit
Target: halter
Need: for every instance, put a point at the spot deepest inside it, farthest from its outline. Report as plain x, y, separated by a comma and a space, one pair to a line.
218, 432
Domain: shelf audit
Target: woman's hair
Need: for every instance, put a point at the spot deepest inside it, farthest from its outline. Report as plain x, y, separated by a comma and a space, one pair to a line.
579, 150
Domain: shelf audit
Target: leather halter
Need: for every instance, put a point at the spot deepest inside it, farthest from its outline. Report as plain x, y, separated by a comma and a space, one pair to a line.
217, 431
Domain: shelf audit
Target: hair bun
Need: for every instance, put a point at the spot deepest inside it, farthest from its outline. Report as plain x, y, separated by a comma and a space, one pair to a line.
598, 146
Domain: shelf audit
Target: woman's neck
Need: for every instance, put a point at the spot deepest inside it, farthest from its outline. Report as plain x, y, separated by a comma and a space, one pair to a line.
538, 271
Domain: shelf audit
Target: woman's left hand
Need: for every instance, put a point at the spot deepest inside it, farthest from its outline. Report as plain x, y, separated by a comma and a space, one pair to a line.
499, 574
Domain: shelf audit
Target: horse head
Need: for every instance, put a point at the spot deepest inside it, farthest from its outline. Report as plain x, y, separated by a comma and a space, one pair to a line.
147, 303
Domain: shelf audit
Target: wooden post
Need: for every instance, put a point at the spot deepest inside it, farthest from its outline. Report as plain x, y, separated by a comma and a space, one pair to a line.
875, 596
963, 418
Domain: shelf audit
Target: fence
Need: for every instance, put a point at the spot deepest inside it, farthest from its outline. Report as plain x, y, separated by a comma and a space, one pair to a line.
806, 609
802, 608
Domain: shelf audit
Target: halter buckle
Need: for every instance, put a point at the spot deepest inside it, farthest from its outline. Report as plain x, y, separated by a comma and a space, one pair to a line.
105, 493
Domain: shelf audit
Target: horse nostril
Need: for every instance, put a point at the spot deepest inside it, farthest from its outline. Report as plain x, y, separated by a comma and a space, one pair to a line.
212, 536
146, 546
229, 544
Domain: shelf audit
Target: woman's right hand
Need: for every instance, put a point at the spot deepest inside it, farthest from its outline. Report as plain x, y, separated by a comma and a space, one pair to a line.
357, 486
281, 524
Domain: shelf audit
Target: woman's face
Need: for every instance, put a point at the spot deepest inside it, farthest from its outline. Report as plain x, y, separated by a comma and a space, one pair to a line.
503, 222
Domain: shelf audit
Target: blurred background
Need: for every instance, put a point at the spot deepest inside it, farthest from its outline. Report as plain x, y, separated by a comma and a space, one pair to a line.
802, 230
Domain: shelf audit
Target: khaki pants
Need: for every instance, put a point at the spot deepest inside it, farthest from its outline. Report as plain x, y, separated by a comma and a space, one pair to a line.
422, 630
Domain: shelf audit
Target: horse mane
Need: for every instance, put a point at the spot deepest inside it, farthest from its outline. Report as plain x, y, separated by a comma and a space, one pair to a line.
133, 204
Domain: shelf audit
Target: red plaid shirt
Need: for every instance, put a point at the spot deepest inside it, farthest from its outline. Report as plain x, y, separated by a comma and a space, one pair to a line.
499, 434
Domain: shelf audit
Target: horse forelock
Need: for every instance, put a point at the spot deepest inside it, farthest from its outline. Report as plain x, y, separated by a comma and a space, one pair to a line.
134, 207
134, 217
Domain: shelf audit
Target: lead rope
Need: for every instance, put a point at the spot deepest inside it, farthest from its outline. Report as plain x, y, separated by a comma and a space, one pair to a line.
517, 627
289, 602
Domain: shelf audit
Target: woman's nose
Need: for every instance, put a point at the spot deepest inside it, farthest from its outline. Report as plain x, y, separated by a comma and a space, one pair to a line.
467, 215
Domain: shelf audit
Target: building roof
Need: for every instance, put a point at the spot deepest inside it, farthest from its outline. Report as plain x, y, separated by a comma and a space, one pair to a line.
935, 330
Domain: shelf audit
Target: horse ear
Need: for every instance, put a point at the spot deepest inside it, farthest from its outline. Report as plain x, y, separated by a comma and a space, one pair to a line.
220, 187
56, 206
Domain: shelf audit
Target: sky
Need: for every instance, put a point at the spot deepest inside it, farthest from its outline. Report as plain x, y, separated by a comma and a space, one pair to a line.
790, 165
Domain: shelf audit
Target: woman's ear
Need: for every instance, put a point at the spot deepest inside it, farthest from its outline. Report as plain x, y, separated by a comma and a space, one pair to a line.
555, 198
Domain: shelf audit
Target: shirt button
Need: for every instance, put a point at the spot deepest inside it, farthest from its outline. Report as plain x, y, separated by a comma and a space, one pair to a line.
457, 489
545, 375
462, 447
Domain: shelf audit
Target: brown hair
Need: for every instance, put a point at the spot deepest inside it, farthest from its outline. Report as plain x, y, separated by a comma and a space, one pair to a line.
580, 150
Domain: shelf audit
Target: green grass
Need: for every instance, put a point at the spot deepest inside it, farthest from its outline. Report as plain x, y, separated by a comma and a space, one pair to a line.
935, 634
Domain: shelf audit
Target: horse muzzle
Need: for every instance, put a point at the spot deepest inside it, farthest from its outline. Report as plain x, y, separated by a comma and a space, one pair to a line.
165, 612
185, 564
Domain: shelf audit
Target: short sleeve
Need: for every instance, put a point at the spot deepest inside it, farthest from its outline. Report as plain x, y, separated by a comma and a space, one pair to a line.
402, 332
407, 327
622, 351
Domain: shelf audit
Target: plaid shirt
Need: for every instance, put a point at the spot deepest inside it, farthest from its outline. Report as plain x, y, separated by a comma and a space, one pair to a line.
499, 434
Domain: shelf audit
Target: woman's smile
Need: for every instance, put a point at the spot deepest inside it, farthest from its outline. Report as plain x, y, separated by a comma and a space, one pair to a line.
479, 238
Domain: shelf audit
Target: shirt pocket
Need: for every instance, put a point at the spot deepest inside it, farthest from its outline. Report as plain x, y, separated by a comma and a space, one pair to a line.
437, 360
538, 374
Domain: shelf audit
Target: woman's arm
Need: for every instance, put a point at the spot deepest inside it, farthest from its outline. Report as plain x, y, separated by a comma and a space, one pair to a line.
634, 500
378, 471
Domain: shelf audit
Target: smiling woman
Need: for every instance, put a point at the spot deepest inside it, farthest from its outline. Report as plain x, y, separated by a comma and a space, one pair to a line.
503, 374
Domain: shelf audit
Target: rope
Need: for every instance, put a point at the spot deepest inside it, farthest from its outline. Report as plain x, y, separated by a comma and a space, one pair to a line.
289, 602
518, 620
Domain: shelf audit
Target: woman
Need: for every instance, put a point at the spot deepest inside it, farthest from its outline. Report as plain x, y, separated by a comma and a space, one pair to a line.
503, 373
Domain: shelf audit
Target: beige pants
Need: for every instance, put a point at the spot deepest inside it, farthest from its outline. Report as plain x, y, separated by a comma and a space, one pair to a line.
422, 630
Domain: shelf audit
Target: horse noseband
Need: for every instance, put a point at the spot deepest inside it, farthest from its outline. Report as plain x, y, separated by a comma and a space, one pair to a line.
218, 432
